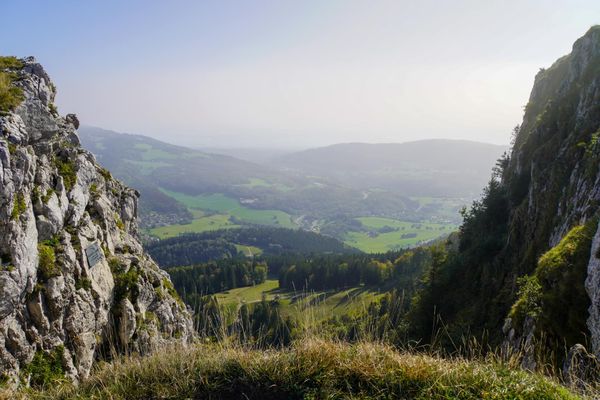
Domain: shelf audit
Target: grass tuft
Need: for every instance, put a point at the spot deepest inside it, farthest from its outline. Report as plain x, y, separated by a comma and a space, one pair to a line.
310, 369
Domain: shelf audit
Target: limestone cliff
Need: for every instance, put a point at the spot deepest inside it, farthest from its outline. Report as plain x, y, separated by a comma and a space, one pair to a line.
553, 173
57, 208
529, 248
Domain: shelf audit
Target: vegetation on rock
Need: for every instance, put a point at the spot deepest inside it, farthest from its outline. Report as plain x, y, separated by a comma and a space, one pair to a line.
47, 267
10, 95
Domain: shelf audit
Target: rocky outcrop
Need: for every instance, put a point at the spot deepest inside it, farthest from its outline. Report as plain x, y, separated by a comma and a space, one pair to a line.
520, 340
552, 177
73, 274
580, 368
592, 286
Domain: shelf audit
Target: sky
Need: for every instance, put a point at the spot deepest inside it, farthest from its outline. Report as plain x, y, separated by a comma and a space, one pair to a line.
289, 74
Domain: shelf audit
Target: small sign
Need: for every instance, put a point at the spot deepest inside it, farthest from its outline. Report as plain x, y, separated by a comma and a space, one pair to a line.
94, 254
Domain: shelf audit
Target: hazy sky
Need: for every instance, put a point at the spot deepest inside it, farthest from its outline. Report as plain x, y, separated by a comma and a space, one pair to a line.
295, 73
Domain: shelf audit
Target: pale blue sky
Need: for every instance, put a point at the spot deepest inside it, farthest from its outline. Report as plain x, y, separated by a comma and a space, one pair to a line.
295, 73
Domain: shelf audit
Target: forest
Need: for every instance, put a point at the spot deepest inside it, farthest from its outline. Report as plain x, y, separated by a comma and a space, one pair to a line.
194, 248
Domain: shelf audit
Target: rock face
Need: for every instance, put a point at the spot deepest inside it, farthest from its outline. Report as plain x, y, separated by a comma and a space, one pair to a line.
56, 205
592, 286
580, 368
553, 175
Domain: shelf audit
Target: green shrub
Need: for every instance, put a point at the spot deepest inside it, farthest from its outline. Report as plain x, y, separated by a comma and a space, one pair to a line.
66, 169
19, 207
46, 197
7, 267
561, 272
47, 267
555, 294
105, 174
35, 194
10, 62
119, 222
94, 190
84, 283
53, 109
10, 95
54, 241
46, 369
528, 302
167, 284
126, 283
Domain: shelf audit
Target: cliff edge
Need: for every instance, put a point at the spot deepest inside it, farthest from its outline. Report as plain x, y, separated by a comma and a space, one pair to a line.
75, 283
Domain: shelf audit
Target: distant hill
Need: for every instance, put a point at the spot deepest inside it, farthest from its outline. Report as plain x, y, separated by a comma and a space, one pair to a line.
135, 155
150, 165
423, 168
256, 155
171, 178
371, 196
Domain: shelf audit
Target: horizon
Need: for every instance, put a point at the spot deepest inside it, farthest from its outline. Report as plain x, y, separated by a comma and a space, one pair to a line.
297, 75
290, 149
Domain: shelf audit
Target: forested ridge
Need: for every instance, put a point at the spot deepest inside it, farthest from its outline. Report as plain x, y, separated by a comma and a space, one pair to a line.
194, 248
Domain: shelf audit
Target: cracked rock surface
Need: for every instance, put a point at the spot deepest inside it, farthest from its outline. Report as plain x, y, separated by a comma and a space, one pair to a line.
56, 202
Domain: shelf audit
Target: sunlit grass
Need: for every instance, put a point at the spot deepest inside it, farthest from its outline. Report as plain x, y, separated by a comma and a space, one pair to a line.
202, 224
310, 369
405, 234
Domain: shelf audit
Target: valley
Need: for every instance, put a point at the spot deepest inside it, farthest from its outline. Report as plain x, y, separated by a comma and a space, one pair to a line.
314, 223
189, 191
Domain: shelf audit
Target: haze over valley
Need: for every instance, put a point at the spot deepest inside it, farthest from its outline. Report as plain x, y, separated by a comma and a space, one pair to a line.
373, 197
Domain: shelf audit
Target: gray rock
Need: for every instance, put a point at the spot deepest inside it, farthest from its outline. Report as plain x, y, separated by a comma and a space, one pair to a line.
127, 323
73, 120
519, 341
592, 286
59, 300
580, 368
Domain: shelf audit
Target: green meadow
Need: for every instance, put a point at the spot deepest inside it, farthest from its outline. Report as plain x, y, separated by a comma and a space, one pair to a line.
150, 153
200, 224
225, 205
401, 234
249, 251
312, 306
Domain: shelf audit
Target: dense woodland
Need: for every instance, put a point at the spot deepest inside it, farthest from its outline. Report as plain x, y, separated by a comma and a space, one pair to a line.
194, 248
337, 272
258, 324
400, 274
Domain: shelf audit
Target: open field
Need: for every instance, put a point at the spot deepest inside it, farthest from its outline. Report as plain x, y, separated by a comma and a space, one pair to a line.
226, 205
201, 224
150, 153
442, 208
314, 306
256, 182
249, 251
261, 183
386, 234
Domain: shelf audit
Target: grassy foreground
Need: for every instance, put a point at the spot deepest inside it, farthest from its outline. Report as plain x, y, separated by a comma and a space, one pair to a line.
311, 369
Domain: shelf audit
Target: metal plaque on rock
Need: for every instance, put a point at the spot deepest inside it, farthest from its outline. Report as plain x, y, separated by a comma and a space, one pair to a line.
94, 254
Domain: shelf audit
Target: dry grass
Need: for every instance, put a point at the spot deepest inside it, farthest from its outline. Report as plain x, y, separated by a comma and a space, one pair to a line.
311, 369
